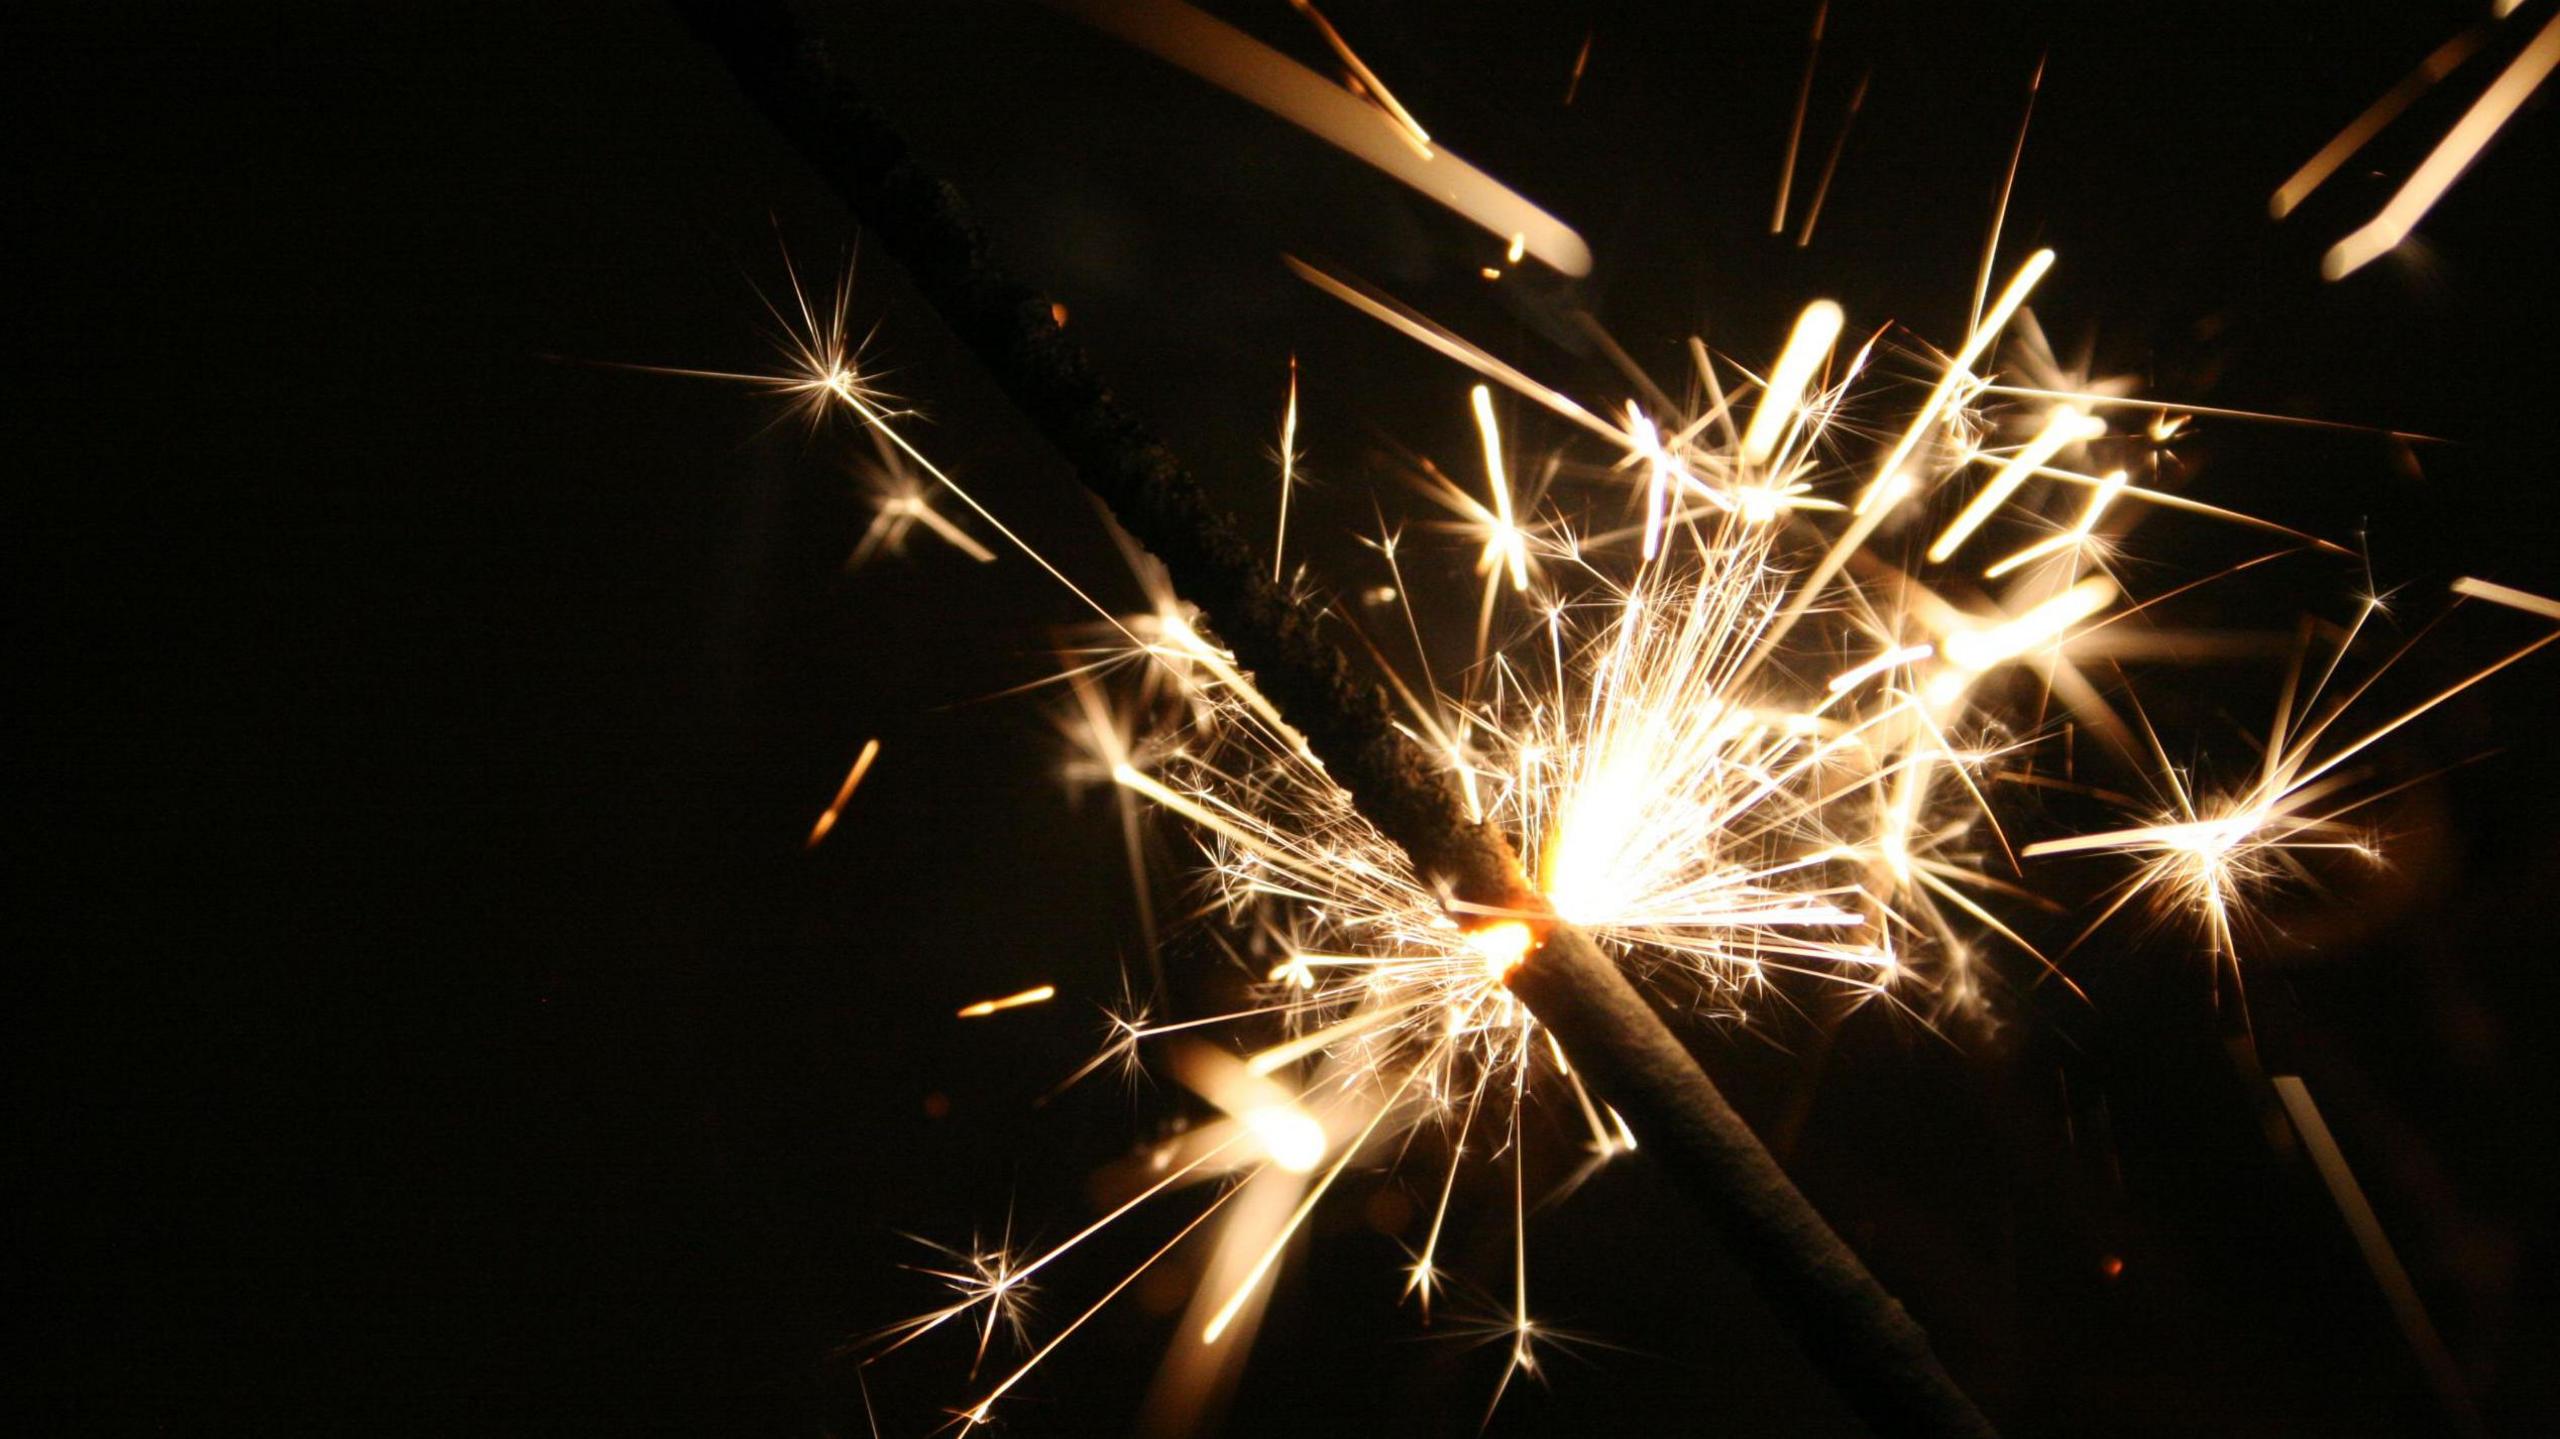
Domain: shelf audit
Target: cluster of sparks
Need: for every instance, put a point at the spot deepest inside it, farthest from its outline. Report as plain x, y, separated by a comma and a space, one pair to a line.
1730, 732
1754, 656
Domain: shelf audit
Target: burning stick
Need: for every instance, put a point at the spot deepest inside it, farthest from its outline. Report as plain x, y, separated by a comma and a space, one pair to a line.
1850, 1327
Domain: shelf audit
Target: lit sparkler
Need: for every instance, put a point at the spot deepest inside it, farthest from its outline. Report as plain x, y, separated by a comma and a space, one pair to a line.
1706, 803
1738, 724
1716, 802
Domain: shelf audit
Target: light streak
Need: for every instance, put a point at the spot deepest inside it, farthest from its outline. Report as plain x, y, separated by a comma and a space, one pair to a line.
1816, 331
1245, 67
1037, 994
1831, 162
852, 778
2388, 1273
2316, 171
2067, 425
2008, 186
2451, 156
1288, 469
1369, 81
1795, 127
1959, 372
2082, 532
2507, 595
1504, 548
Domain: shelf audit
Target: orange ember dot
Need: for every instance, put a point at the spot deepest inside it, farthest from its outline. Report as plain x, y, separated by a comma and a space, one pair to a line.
1057, 314
1388, 1211
2111, 1266
1503, 946
937, 1105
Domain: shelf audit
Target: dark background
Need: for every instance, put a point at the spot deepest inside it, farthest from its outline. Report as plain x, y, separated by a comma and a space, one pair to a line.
428, 1016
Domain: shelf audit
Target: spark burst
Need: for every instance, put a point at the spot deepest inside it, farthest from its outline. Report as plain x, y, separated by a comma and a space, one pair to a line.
1735, 735
1742, 691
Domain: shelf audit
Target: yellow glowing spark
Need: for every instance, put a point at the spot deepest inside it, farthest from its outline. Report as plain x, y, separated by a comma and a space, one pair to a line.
1037, 994
2067, 425
1504, 547
1857, 675
861, 766
2081, 532
1808, 345
2208, 852
900, 502
1977, 650
1959, 371
1253, 1278
2451, 156
1288, 468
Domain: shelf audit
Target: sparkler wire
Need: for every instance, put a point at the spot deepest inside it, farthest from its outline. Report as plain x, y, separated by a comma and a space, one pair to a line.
1854, 1331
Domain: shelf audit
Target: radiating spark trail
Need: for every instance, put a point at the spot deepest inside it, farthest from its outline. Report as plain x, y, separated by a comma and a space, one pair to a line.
1288, 469
1469, 355
2067, 425
1369, 81
2316, 171
1831, 162
1795, 127
827, 821
1315, 1194
1037, 994
2008, 186
1976, 650
1817, 329
2453, 155
1505, 549
1243, 66
2173, 413
1959, 371
2082, 532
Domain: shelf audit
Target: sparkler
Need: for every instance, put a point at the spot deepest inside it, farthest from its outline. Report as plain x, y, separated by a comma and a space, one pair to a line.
1729, 737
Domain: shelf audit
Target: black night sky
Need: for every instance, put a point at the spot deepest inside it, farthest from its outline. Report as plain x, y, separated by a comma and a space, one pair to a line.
428, 1018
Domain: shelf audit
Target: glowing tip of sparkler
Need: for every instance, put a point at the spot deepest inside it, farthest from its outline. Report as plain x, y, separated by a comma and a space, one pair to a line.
1504, 946
1290, 1135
